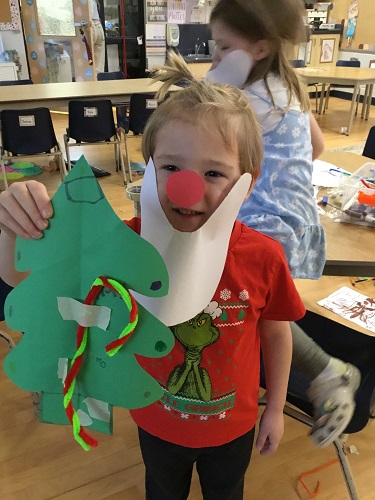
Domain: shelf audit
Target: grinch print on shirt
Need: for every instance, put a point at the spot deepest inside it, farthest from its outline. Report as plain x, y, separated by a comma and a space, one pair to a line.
200, 386
190, 379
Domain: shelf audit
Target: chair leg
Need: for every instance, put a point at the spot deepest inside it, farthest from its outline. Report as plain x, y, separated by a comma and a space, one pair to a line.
128, 159
7, 339
5, 180
62, 167
122, 163
67, 152
339, 445
63, 171
117, 161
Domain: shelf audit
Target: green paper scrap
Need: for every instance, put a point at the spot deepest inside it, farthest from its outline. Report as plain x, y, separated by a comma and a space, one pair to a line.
85, 240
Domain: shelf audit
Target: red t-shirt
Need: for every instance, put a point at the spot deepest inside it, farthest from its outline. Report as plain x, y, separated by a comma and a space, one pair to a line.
211, 376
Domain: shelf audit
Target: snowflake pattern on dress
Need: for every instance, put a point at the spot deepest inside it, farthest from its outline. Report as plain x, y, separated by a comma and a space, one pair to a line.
225, 294
282, 202
282, 130
244, 295
296, 132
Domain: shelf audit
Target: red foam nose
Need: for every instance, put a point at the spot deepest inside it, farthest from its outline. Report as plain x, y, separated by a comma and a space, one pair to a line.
185, 188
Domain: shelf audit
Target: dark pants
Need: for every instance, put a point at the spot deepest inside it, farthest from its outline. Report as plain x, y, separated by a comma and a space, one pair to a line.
169, 468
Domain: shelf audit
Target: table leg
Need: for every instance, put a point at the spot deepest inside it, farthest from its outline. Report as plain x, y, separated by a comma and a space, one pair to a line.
322, 96
352, 108
364, 104
369, 100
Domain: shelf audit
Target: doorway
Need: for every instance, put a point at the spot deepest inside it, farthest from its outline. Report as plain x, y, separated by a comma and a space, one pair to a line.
124, 27
58, 40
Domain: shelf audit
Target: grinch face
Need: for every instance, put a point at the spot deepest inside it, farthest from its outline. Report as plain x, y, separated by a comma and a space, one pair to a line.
197, 333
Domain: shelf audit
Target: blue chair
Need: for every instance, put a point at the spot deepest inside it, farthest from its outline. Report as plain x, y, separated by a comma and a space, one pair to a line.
26, 133
92, 122
348, 64
111, 75
352, 347
297, 63
141, 107
15, 82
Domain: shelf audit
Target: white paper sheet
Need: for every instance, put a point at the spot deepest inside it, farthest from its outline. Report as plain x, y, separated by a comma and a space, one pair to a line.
195, 261
323, 177
353, 306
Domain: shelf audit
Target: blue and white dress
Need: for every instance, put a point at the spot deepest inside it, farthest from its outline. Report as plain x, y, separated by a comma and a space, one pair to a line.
282, 203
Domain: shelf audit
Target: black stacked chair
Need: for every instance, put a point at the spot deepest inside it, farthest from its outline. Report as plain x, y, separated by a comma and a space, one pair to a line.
28, 133
141, 107
92, 122
111, 75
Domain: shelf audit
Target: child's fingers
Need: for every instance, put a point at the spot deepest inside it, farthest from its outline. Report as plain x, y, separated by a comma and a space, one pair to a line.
22, 207
261, 440
40, 196
268, 448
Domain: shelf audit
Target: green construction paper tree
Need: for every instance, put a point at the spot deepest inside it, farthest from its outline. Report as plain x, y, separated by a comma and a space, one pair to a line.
85, 240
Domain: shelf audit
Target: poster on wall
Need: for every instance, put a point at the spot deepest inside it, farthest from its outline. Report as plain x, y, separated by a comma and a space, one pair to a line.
157, 11
327, 51
14, 20
177, 11
197, 13
209, 7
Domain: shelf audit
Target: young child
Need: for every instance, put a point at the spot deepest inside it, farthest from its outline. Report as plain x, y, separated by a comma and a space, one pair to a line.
282, 204
211, 377
252, 37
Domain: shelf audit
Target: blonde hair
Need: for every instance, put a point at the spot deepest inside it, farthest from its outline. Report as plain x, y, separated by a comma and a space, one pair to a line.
211, 106
281, 23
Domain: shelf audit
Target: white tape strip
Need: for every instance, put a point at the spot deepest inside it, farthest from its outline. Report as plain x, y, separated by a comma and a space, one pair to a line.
98, 409
85, 315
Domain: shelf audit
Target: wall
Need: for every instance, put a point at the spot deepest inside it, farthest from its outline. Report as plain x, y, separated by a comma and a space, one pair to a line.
190, 15
365, 32
11, 34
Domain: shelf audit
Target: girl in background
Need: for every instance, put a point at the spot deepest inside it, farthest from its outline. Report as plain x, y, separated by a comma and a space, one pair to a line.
252, 39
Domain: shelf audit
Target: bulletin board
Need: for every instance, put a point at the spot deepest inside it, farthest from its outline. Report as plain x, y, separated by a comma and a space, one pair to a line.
5, 13
9, 15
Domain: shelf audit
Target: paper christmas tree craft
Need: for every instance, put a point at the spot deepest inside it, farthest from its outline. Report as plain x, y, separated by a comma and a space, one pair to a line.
87, 255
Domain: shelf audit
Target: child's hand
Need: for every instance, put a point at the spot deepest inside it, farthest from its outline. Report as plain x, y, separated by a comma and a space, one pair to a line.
25, 208
271, 430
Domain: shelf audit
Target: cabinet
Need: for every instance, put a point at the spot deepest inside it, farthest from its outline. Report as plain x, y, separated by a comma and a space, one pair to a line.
8, 71
322, 50
199, 70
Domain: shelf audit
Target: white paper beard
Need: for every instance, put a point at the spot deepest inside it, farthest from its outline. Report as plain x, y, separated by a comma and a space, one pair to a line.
195, 261
233, 69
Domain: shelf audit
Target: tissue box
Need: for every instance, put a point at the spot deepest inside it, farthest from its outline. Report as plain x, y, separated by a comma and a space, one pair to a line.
358, 201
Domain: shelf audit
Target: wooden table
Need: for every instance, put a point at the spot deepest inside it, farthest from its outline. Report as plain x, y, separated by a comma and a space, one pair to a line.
311, 291
59, 94
350, 252
350, 247
339, 75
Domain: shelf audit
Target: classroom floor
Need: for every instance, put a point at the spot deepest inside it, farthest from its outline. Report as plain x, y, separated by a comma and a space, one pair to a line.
40, 461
